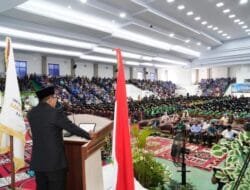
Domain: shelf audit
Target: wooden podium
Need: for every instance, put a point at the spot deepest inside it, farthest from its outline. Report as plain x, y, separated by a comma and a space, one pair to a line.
84, 157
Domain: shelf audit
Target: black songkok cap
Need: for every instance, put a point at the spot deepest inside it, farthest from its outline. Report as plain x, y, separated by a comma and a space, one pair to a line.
47, 91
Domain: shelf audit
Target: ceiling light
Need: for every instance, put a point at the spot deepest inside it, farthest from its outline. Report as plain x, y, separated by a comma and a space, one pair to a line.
132, 63
123, 15
240, 23
231, 16
69, 7
224, 34
131, 36
187, 41
171, 35
184, 50
161, 66
141, 39
226, 11
210, 26
164, 60
244, 27
242, 2
220, 31
131, 55
220, 4
190, 13
198, 43
247, 30
204, 23
97, 58
181, 7
197, 18
147, 64
170, 1
147, 58
32, 48
215, 28
208, 48
249, 34
83, 1
237, 20
228, 37
56, 12
45, 38
109, 51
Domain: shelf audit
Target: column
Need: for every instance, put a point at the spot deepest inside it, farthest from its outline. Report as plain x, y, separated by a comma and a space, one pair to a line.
131, 72
197, 76
95, 69
44, 65
73, 67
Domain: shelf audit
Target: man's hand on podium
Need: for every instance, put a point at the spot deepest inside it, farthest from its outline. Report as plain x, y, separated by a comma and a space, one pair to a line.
92, 135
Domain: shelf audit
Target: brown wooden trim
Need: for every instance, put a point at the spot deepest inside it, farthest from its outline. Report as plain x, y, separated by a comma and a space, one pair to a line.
78, 152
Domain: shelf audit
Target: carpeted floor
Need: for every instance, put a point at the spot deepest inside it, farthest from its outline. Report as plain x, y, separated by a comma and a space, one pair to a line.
23, 179
160, 146
199, 155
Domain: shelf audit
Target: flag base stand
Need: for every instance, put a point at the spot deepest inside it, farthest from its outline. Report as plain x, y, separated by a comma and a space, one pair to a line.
12, 185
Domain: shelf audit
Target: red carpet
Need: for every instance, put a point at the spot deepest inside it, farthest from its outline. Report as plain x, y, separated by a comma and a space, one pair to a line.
199, 155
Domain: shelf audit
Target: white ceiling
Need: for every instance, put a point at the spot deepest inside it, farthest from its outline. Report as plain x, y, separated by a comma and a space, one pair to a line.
154, 19
5, 5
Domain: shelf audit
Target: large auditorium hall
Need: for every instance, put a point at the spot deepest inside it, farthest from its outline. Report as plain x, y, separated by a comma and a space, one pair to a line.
124, 95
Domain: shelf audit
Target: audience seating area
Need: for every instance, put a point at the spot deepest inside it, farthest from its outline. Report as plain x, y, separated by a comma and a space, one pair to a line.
160, 88
215, 87
204, 119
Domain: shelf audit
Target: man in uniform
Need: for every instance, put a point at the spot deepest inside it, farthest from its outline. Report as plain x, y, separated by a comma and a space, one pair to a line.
48, 156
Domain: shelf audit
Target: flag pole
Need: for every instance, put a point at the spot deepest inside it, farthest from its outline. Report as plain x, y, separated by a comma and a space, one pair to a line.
12, 163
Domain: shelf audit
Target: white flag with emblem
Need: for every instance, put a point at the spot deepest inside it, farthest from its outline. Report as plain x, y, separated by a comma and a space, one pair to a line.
11, 117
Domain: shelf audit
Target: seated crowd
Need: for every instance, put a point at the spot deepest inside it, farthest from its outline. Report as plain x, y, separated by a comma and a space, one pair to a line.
215, 87
160, 88
205, 118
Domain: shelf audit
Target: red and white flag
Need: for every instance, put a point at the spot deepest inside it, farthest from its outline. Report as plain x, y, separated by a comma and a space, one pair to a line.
122, 156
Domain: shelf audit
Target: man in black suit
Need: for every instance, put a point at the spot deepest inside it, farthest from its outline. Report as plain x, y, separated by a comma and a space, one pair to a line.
48, 156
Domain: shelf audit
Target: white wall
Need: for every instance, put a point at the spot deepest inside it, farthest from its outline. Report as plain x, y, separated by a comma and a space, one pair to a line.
150, 70
105, 70
193, 76
33, 61
64, 65
203, 74
240, 72
84, 69
234, 70
127, 73
136, 70
219, 72
180, 76
244, 73
162, 74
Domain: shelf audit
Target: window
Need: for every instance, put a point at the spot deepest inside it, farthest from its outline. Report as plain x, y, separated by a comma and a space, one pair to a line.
53, 69
21, 68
